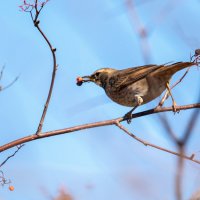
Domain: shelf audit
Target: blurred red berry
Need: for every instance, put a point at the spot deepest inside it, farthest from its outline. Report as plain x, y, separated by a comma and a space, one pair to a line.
11, 188
79, 81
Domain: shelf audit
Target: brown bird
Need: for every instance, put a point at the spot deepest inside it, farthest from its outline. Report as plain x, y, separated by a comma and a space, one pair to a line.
137, 85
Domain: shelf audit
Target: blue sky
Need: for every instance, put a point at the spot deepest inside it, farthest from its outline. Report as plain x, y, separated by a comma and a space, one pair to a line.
90, 35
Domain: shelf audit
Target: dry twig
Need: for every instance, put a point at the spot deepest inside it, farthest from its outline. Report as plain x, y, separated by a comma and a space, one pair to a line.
10, 84
35, 10
18, 148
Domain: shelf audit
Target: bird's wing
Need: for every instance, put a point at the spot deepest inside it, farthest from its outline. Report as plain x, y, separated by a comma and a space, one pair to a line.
123, 78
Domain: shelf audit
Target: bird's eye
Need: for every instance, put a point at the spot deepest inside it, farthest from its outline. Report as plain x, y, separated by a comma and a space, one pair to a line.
97, 74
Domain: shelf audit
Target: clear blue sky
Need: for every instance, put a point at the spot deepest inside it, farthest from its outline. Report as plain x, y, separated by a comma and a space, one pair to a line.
89, 35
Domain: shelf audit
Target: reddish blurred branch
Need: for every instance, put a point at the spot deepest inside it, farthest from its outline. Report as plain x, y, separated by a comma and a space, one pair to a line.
181, 144
140, 29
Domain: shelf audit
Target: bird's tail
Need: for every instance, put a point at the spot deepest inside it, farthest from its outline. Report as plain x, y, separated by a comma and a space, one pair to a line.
171, 69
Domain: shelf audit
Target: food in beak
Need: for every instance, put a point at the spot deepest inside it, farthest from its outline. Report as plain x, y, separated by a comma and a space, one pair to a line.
81, 80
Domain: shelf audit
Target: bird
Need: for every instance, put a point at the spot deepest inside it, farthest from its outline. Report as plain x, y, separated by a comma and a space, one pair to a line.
136, 86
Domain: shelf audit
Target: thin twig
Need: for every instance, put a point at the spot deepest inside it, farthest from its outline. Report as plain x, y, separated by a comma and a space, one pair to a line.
9, 85
166, 95
1, 73
130, 134
18, 148
3, 180
36, 5
53, 50
52, 81
156, 146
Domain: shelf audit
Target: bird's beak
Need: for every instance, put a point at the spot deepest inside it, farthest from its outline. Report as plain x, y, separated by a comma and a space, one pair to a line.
87, 78
83, 79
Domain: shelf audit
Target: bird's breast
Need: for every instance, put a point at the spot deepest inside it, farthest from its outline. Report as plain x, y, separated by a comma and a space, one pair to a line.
126, 95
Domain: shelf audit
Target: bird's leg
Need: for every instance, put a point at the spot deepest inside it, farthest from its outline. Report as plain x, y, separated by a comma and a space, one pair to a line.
166, 95
170, 93
128, 116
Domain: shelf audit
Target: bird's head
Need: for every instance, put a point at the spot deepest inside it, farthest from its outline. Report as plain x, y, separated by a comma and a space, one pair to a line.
99, 77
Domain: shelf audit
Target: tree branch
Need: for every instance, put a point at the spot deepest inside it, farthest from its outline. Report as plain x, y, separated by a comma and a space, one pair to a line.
166, 95
181, 155
37, 9
10, 84
53, 50
18, 148
105, 123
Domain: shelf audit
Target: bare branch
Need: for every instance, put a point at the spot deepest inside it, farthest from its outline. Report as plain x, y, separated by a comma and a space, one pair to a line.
181, 155
105, 123
130, 134
18, 148
36, 9
1, 73
52, 80
9, 85
3, 180
53, 50
166, 95
195, 58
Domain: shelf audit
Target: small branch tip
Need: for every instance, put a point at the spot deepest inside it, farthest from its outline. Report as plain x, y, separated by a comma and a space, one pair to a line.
192, 156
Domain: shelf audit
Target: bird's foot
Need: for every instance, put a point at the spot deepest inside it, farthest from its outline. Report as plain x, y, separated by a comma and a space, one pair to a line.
174, 107
128, 117
138, 100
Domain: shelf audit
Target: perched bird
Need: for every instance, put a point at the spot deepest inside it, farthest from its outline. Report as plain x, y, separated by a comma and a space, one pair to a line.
137, 85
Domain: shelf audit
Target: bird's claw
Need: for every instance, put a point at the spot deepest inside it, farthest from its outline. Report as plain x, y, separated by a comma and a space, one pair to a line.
128, 117
174, 107
138, 100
